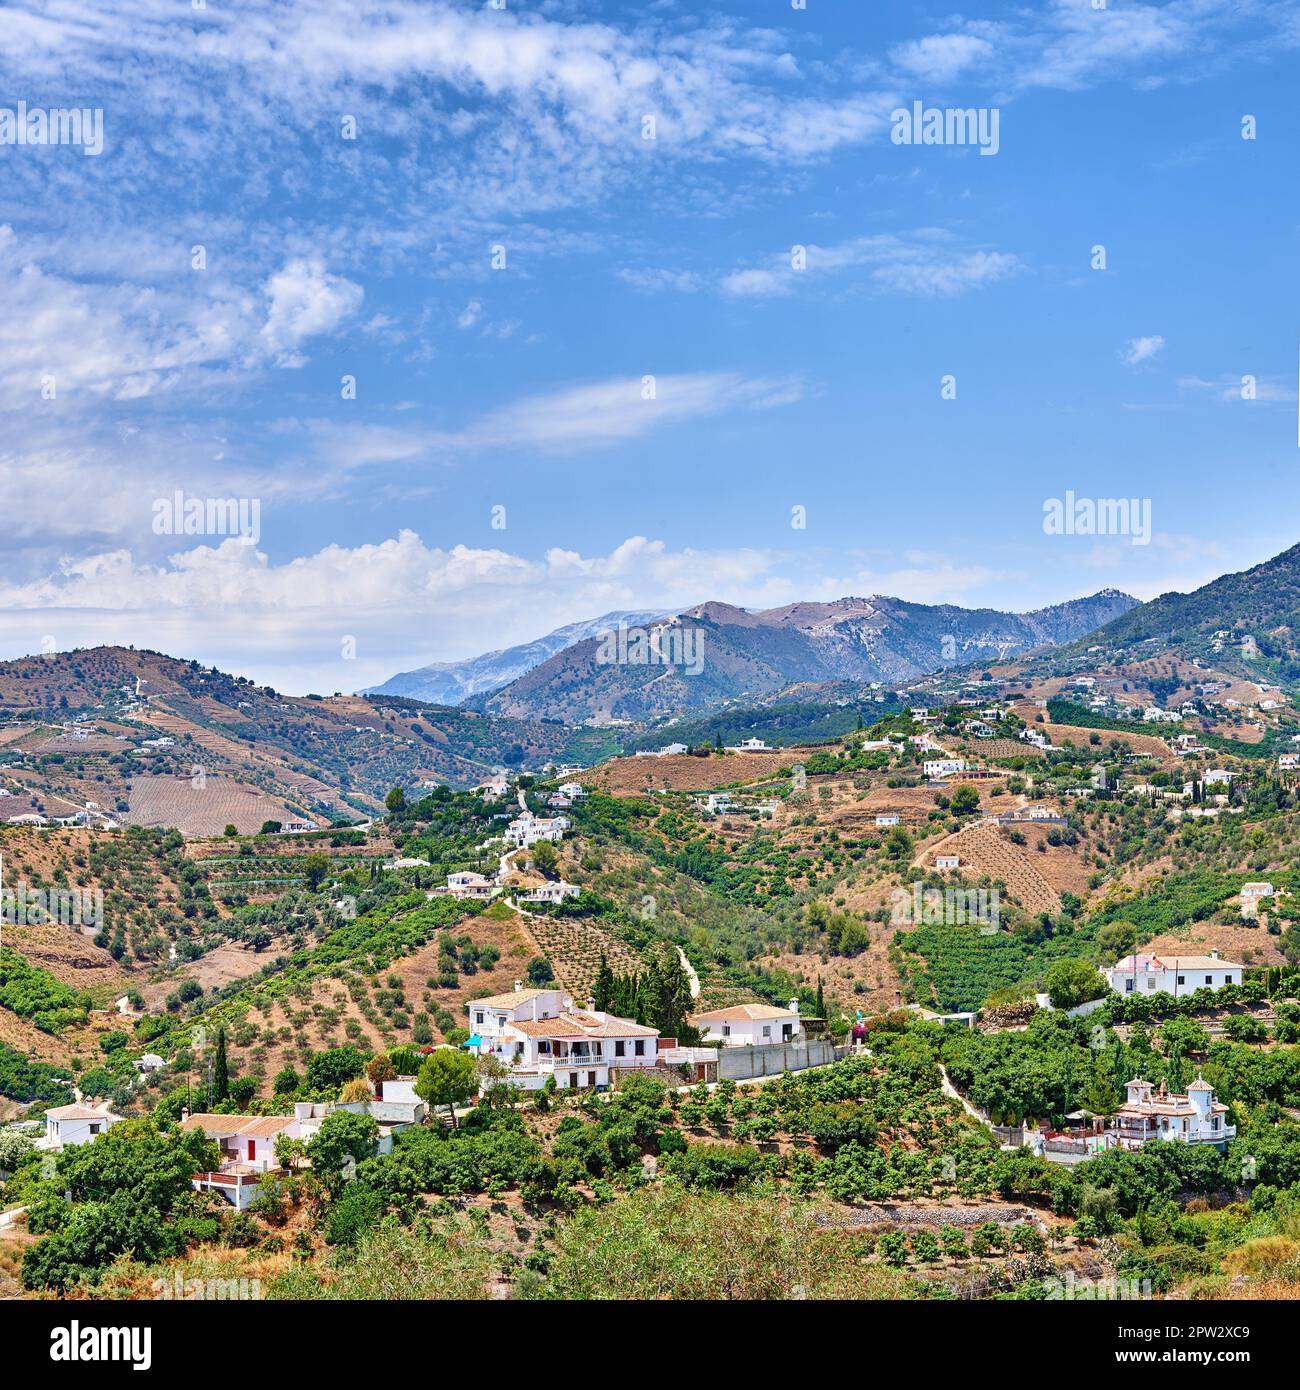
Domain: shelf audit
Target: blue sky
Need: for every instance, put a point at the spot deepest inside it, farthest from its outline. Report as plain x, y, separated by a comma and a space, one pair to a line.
521, 387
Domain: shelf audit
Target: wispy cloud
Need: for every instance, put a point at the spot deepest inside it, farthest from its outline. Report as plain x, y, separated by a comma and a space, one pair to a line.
1138, 350
930, 263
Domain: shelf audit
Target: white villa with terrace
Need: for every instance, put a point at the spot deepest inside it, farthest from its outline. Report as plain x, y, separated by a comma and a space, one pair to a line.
1148, 1113
749, 1025
552, 892
537, 1033
470, 885
527, 829
1177, 975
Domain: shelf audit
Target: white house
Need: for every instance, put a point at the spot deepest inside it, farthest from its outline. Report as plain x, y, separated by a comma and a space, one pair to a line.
149, 1062
573, 790
552, 892
247, 1140
944, 767
76, 1124
247, 1145
487, 1017
749, 1025
1177, 975
466, 884
1288, 762
539, 1034
1031, 815
527, 829
947, 861
1217, 776
1256, 890
298, 827
887, 819
749, 745
716, 803
1148, 1114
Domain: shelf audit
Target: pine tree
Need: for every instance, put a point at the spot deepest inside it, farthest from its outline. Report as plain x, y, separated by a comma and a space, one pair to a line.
821, 999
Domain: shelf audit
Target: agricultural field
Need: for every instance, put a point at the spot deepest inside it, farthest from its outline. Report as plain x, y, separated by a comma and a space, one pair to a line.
205, 809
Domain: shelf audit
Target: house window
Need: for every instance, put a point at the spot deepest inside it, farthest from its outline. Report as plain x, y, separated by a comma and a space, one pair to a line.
1128, 986
726, 1030
478, 1019
544, 1045
1209, 979
639, 1047
619, 1049
767, 1031
1182, 980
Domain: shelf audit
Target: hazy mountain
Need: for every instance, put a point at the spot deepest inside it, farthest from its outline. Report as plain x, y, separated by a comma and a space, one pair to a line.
451, 682
716, 653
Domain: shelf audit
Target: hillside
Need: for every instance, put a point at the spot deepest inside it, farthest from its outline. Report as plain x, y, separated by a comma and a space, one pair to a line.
1246, 623
715, 653
150, 740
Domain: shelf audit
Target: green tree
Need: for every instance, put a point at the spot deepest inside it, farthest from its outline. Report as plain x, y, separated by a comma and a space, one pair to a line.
447, 1078
1071, 982
603, 990
965, 800
314, 869
328, 1070
395, 801
220, 1070
546, 858
342, 1136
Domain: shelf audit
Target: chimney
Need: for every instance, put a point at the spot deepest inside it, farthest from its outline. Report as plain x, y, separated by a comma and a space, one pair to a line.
591, 1004
185, 1113
794, 1006
1214, 953
519, 984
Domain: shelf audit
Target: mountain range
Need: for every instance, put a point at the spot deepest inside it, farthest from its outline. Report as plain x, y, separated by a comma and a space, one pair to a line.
453, 682
713, 654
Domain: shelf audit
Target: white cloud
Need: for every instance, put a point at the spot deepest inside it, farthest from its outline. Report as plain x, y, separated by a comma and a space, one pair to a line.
929, 263
305, 301
405, 602
940, 57
1141, 349
612, 411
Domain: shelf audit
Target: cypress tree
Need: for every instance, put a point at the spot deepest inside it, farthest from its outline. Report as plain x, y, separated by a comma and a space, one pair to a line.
220, 1070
